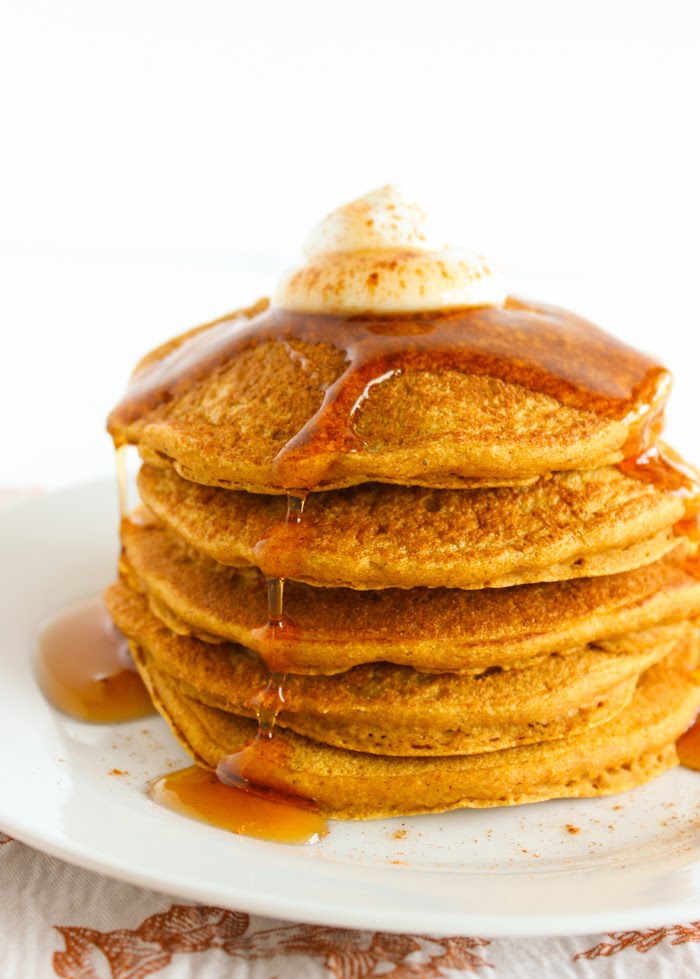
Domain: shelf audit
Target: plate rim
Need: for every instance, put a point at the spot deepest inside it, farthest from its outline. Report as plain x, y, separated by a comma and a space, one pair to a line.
451, 924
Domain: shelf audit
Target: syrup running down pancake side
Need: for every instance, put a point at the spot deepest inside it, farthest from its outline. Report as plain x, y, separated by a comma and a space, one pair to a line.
256, 809
228, 798
122, 487
659, 465
688, 747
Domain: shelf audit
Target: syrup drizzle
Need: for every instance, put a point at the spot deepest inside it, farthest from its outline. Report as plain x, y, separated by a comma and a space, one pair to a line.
664, 468
84, 668
282, 539
269, 700
544, 349
688, 746
231, 799
122, 489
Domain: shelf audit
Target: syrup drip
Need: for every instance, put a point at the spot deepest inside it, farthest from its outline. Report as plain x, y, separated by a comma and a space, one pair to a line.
691, 564
122, 490
269, 701
295, 508
688, 746
201, 795
281, 540
230, 799
85, 670
275, 601
662, 467
542, 348
262, 754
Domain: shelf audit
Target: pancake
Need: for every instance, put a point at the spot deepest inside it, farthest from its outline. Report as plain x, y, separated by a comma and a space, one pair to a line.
408, 543
632, 748
569, 525
471, 397
439, 629
394, 710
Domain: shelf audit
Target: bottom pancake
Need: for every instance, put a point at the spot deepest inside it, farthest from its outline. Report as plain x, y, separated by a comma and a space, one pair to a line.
627, 751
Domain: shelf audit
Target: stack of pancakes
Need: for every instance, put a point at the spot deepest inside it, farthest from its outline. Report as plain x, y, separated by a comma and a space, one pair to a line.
485, 602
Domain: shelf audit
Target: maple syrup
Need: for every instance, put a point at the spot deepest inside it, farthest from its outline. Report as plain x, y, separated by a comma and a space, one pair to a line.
229, 799
660, 465
122, 491
272, 552
264, 815
267, 703
688, 746
269, 700
544, 349
84, 668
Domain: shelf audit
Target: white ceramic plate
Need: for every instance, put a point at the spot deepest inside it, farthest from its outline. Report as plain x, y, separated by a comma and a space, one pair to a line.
634, 862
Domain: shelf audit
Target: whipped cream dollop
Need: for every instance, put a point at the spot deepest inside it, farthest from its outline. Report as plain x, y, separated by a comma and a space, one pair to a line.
378, 254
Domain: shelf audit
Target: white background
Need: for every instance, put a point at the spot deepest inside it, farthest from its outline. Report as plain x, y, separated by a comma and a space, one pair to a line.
162, 160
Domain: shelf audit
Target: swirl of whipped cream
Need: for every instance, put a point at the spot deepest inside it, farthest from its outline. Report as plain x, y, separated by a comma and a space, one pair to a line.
377, 254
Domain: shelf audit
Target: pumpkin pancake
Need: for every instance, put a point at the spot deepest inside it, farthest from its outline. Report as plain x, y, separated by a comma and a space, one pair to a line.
569, 525
268, 400
439, 629
628, 750
408, 543
395, 710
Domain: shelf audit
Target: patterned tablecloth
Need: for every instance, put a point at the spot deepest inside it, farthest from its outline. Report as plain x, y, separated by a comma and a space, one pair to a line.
60, 920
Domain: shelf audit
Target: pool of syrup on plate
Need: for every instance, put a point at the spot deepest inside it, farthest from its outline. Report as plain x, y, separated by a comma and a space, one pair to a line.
84, 668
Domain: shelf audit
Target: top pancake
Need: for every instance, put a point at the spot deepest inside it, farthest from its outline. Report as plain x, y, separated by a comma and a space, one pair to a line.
269, 401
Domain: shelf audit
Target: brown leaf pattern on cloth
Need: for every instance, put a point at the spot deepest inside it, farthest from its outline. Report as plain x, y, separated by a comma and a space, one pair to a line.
184, 928
187, 928
4, 838
356, 954
643, 941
